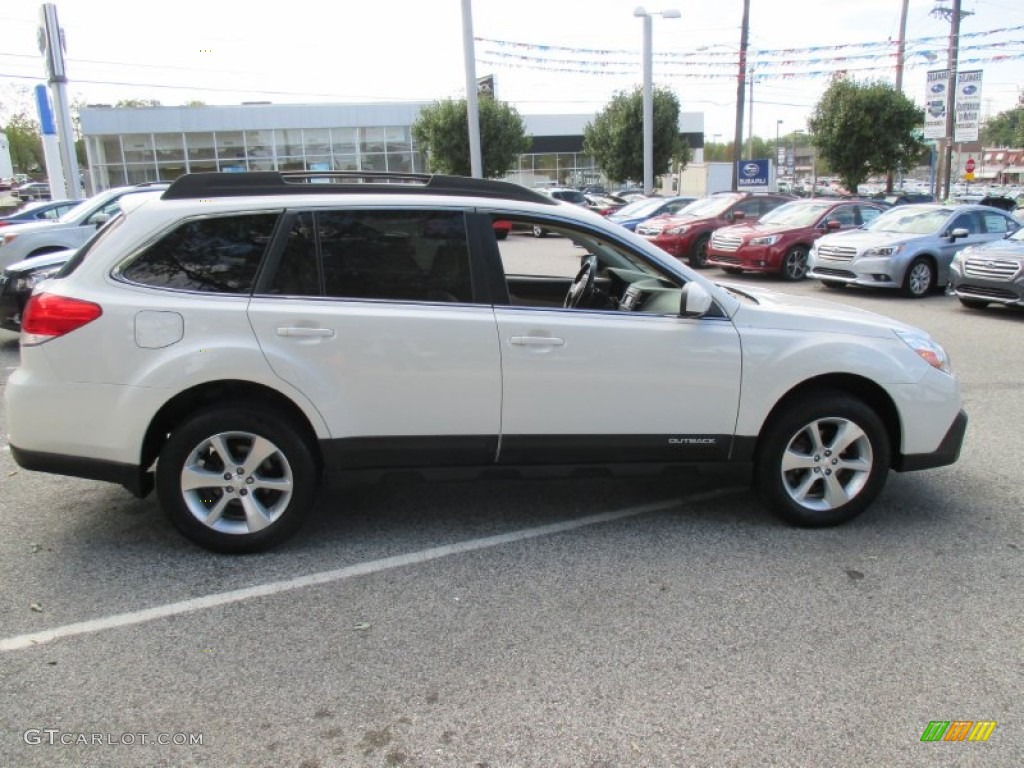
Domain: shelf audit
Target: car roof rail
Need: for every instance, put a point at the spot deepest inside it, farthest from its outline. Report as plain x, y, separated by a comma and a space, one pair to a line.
208, 185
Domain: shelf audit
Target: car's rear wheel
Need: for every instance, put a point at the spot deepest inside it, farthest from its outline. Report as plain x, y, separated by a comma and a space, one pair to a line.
822, 460
237, 479
699, 252
794, 263
973, 303
919, 279
501, 234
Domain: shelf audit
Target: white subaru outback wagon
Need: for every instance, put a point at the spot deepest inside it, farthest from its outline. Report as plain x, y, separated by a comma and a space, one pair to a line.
241, 337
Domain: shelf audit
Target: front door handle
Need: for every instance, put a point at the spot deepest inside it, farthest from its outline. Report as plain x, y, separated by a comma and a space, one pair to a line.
305, 332
537, 341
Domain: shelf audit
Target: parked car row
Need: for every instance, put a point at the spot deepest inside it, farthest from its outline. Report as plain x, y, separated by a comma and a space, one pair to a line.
975, 250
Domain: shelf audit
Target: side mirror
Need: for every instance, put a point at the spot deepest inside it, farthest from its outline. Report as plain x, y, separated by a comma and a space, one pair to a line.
695, 300
958, 234
738, 215
100, 219
832, 225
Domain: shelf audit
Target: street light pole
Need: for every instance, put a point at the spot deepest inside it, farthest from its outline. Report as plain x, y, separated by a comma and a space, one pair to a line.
778, 123
648, 62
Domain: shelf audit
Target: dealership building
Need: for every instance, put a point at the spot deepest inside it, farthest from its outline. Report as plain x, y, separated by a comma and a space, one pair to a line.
133, 145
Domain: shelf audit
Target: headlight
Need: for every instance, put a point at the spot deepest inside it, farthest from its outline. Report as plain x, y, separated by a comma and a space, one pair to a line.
680, 230
927, 348
766, 240
960, 256
884, 250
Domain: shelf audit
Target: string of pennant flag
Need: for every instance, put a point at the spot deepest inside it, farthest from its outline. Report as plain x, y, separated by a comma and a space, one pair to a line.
764, 64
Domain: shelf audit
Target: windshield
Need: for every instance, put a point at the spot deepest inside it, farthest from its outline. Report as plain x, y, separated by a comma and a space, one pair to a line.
569, 195
78, 211
910, 220
639, 208
795, 214
1018, 235
708, 206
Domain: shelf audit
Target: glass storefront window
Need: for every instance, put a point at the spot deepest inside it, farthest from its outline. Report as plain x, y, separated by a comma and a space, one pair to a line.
200, 146
115, 175
260, 147
138, 173
230, 146
400, 162
344, 141
110, 149
138, 148
169, 147
374, 162
318, 163
202, 166
317, 141
289, 143
170, 171
291, 164
261, 165
373, 140
346, 162
398, 139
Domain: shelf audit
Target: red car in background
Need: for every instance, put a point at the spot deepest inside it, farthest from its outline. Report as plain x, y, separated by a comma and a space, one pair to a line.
686, 234
780, 241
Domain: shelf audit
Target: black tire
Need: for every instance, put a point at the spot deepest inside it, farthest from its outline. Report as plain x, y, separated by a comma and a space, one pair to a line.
257, 507
834, 285
920, 278
501, 234
732, 270
831, 478
539, 231
973, 303
794, 264
699, 252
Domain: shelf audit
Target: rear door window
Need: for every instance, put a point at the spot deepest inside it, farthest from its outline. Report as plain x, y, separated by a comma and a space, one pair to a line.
211, 255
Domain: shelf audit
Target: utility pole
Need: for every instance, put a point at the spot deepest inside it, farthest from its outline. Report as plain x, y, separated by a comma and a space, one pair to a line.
472, 106
954, 15
741, 83
901, 55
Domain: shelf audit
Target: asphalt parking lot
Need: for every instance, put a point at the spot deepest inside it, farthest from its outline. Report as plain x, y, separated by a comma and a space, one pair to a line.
591, 622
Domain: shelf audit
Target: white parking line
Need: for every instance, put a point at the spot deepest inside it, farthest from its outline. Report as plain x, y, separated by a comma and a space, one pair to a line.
340, 574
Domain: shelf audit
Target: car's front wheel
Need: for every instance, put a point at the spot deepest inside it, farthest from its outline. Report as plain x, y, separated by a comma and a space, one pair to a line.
539, 231
919, 279
699, 252
822, 460
237, 479
794, 263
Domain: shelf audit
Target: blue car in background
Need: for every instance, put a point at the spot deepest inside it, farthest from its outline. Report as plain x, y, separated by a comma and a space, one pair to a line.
630, 215
44, 210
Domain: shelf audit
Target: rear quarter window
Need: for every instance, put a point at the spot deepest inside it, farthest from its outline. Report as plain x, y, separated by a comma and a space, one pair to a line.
210, 255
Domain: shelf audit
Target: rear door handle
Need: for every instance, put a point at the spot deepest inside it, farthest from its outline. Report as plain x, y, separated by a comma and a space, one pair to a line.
305, 332
537, 341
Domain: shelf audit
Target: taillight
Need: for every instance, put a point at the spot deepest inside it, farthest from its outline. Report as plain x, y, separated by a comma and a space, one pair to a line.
48, 316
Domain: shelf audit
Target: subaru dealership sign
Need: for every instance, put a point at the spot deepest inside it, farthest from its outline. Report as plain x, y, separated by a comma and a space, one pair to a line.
753, 175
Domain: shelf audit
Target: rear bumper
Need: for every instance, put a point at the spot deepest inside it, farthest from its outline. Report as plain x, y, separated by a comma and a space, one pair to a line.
947, 452
130, 476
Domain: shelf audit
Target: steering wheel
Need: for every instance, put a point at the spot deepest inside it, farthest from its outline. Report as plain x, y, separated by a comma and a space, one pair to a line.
582, 288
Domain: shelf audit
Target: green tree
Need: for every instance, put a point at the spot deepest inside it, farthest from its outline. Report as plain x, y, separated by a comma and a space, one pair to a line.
137, 103
866, 129
616, 137
1005, 129
442, 131
26, 144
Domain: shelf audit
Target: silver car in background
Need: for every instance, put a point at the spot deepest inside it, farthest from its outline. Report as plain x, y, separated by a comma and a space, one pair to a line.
990, 273
908, 248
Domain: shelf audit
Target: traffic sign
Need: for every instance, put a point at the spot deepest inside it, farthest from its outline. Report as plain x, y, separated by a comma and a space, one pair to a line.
969, 165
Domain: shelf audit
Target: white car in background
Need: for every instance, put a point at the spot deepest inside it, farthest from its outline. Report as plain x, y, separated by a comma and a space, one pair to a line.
21, 241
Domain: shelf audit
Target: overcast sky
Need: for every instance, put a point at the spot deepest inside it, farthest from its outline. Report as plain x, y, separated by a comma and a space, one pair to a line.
547, 56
